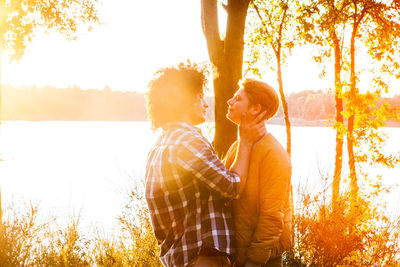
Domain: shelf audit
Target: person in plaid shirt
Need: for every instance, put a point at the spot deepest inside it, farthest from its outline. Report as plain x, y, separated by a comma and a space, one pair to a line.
188, 189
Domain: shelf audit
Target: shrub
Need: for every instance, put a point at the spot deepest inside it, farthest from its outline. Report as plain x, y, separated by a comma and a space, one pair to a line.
26, 240
350, 234
136, 245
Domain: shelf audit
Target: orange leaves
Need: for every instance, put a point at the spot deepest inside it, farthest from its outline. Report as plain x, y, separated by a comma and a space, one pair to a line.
21, 18
347, 235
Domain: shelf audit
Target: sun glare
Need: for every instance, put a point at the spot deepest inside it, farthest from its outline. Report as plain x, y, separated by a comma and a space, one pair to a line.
122, 53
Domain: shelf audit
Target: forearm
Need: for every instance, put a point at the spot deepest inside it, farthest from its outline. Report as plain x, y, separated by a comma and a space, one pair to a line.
241, 162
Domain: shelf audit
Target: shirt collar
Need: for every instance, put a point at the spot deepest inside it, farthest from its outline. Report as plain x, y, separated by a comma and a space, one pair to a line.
181, 125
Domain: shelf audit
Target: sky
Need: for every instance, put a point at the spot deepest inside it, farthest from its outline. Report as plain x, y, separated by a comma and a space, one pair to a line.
135, 39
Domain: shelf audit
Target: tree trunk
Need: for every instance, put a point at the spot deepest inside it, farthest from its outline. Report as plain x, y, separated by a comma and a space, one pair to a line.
1, 212
2, 23
3, 18
227, 59
1, 87
284, 106
339, 123
350, 125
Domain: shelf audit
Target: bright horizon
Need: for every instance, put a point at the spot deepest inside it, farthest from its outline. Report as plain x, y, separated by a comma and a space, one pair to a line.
134, 40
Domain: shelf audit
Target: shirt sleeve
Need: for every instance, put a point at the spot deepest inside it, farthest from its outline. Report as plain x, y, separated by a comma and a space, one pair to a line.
197, 157
230, 155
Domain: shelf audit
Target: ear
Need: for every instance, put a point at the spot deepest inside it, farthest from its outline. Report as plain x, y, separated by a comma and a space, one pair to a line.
255, 109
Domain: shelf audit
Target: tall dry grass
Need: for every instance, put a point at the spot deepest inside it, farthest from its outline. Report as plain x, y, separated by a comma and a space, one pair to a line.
26, 239
361, 236
347, 235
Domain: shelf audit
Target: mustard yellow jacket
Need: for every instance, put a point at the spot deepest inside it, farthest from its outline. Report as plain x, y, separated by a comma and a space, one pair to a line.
263, 213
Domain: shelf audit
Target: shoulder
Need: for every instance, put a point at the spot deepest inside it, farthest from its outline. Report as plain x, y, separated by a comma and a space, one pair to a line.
269, 149
183, 135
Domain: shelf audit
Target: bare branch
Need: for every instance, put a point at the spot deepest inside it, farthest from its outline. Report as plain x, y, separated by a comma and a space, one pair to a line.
209, 20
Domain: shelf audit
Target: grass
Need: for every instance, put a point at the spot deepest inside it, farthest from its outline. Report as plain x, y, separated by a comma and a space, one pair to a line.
347, 235
363, 236
28, 240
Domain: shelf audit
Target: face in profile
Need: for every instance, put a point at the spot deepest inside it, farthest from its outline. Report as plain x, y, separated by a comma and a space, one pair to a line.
198, 114
238, 104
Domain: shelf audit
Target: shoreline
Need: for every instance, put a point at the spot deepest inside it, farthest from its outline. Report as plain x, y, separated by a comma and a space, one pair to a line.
273, 121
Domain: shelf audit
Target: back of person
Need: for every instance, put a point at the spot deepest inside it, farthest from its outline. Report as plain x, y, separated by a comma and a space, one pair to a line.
188, 188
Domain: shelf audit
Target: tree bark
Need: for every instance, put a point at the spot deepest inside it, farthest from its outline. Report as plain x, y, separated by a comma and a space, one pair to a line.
226, 57
1, 212
338, 121
350, 125
2, 45
284, 106
1, 87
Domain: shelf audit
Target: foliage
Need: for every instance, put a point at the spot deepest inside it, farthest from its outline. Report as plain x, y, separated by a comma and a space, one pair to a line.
344, 236
25, 240
18, 236
366, 29
373, 22
28, 240
271, 33
368, 136
137, 245
323, 26
20, 19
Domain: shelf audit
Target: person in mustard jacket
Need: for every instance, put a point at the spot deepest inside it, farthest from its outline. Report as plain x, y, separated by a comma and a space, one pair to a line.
263, 212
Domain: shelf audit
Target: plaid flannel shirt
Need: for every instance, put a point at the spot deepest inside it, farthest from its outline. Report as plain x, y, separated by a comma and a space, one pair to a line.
188, 191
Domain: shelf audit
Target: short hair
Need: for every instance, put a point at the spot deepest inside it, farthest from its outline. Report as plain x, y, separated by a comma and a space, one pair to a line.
173, 90
261, 93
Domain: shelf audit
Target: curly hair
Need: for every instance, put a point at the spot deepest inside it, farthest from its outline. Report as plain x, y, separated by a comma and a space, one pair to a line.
172, 91
261, 93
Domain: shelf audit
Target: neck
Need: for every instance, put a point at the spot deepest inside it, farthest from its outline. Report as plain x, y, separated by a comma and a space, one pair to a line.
187, 119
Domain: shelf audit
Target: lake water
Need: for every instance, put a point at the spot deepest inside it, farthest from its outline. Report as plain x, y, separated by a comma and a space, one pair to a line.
88, 168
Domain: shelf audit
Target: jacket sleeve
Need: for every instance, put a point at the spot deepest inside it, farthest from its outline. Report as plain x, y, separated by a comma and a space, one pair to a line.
275, 179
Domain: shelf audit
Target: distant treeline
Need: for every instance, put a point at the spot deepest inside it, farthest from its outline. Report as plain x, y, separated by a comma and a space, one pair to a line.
48, 103
316, 108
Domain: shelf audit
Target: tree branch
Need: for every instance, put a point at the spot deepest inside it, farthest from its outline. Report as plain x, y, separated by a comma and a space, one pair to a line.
280, 30
264, 25
209, 20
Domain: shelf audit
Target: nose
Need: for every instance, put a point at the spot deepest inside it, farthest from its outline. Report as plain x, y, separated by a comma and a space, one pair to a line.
229, 101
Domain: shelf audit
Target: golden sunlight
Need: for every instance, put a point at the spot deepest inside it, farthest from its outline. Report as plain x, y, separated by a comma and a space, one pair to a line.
86, 180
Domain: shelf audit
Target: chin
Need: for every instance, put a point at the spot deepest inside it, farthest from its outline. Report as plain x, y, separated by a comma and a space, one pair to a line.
231, 119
